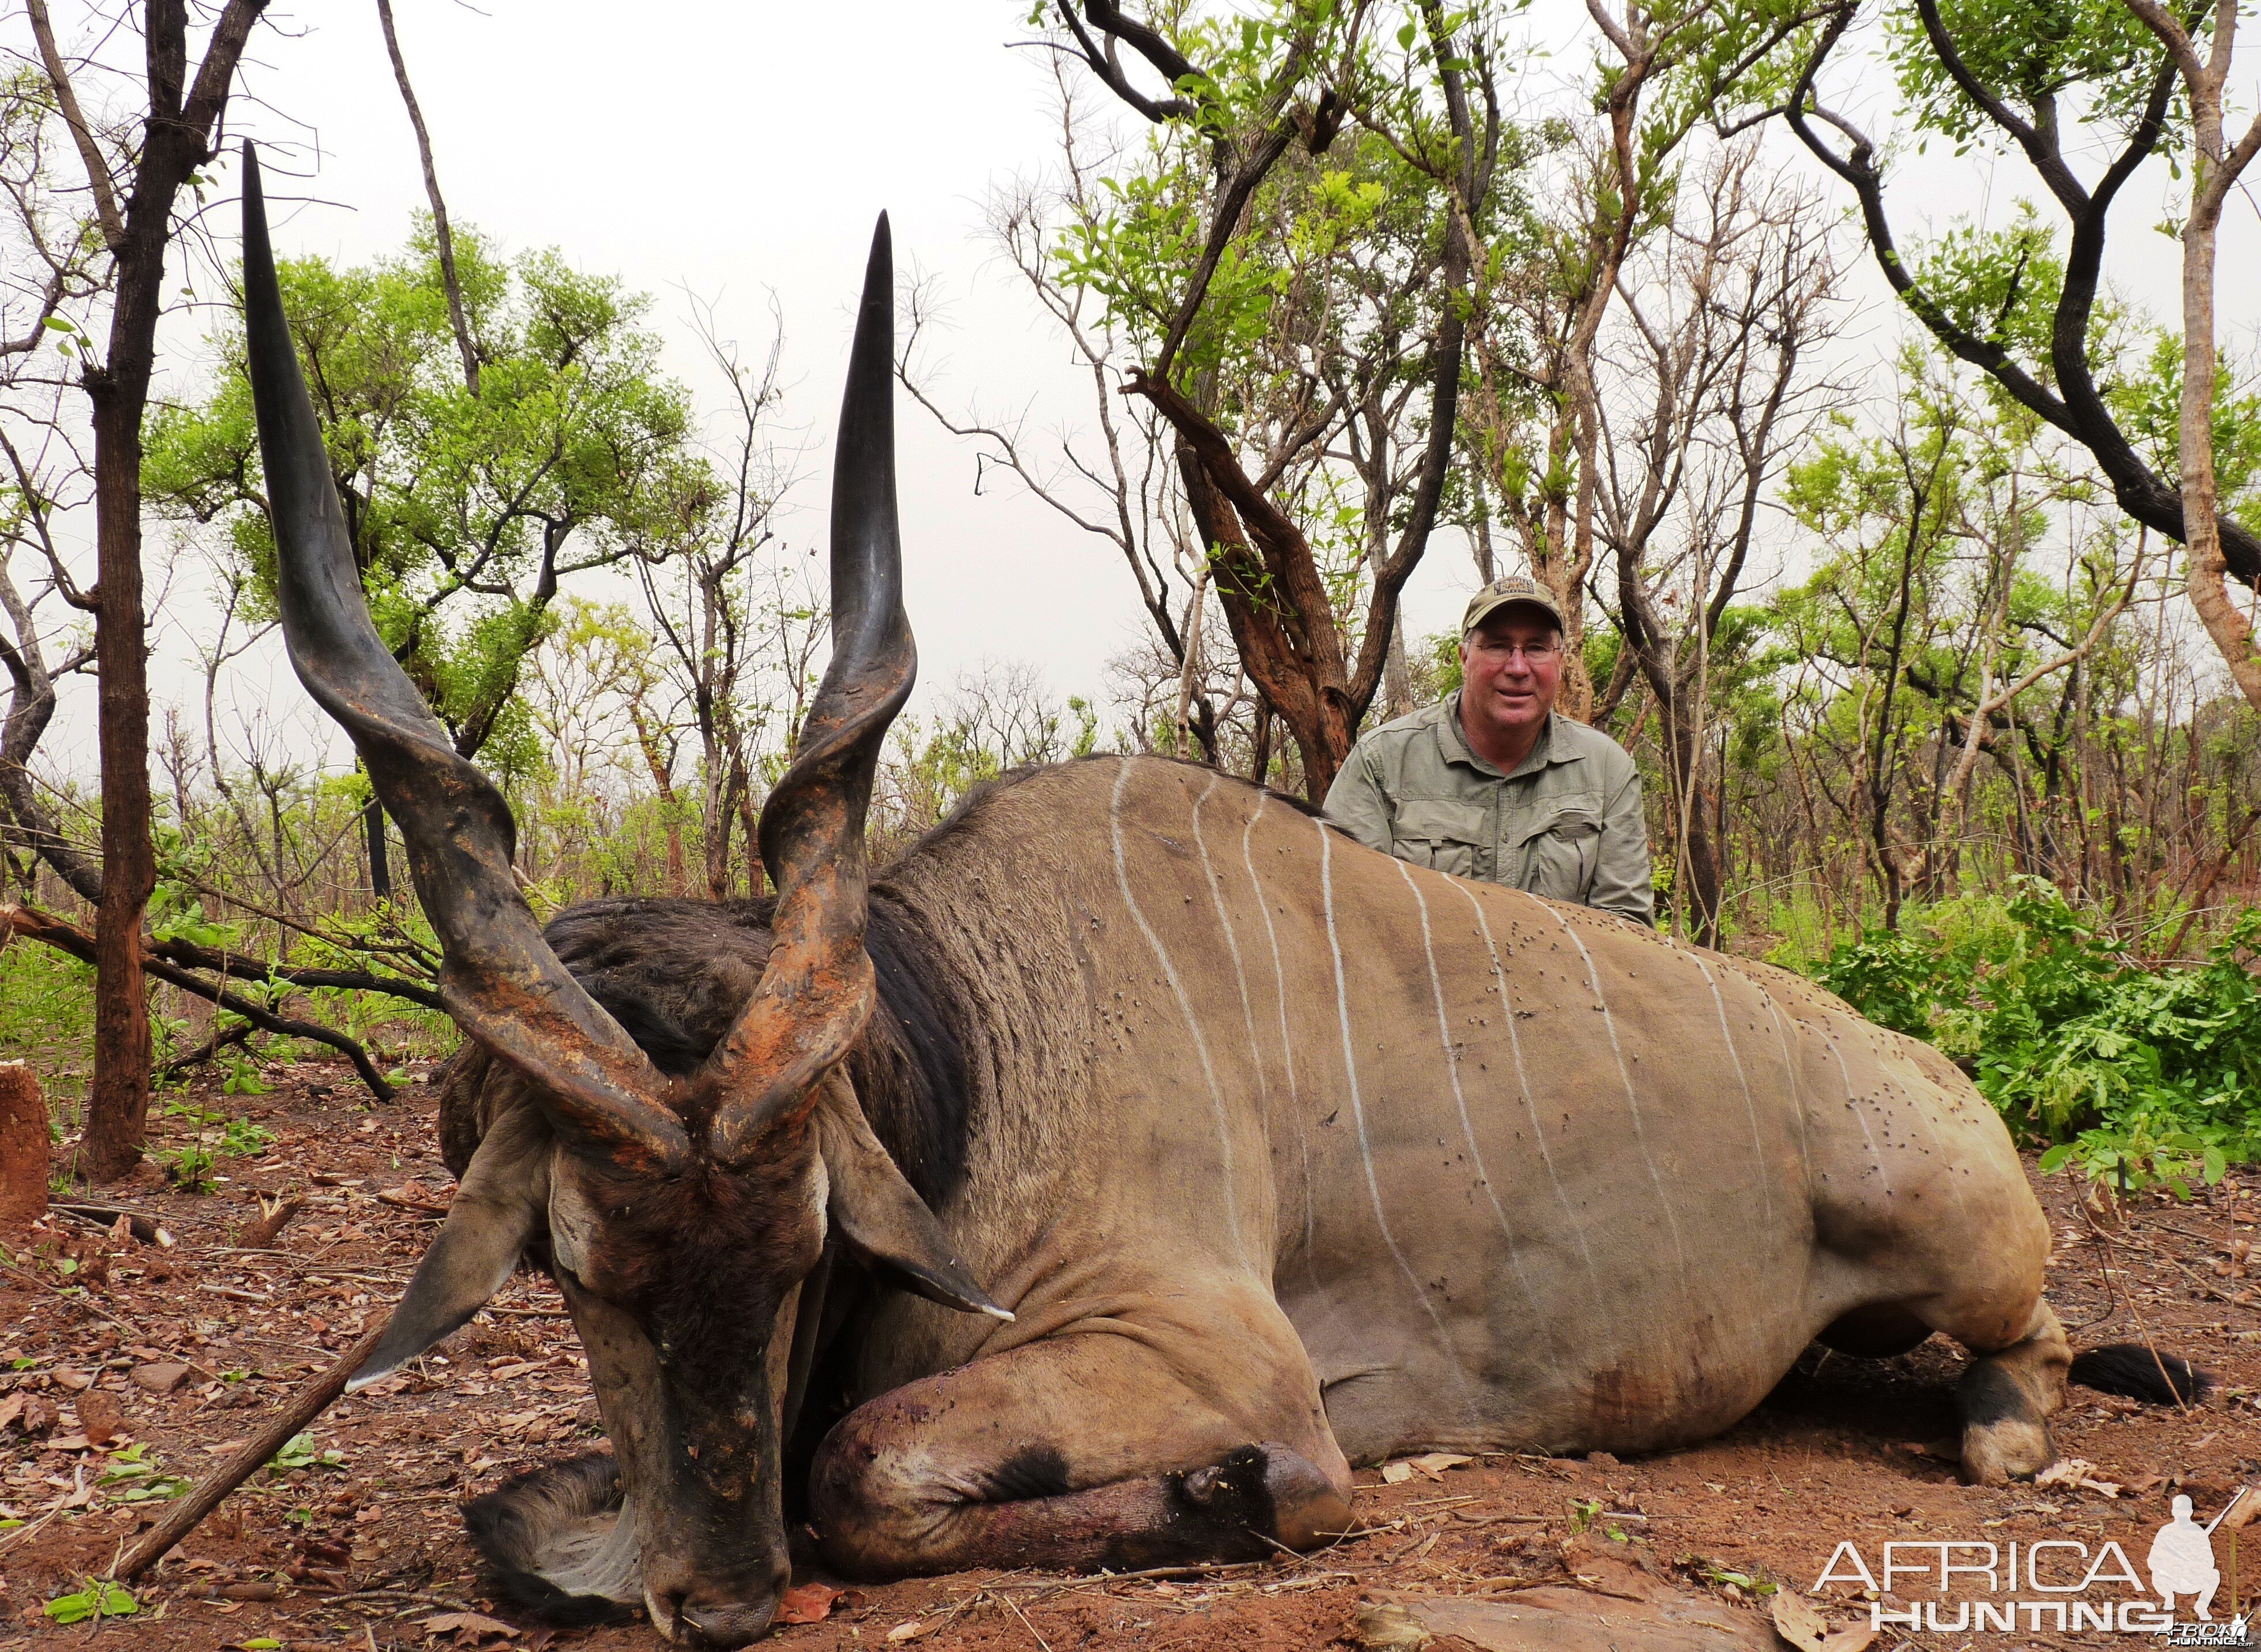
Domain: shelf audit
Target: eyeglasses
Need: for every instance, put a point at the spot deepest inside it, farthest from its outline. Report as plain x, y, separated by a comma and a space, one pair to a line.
1530, 653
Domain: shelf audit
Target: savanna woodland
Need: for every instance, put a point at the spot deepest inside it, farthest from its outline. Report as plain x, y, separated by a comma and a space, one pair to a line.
1870, 380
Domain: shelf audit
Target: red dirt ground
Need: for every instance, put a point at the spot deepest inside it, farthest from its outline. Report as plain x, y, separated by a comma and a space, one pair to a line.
368, 1553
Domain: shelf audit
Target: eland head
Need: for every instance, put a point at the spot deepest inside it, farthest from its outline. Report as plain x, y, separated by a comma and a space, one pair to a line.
680, 1215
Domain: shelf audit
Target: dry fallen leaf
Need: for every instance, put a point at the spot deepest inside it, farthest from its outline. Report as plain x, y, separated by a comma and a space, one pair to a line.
1435, 1463
911, 1631
161, 1377
2102, 1206
1858, 1640
1799, 1621
2243, 1510
101, 1416
1388, 1628
478, 1625
2076, 1474
414, 1196
811, 1603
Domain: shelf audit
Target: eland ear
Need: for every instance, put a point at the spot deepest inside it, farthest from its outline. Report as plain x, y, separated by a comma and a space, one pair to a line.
503, 1194
880, 1215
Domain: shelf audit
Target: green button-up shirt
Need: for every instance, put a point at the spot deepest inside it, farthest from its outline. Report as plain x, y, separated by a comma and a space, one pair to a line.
1567, 824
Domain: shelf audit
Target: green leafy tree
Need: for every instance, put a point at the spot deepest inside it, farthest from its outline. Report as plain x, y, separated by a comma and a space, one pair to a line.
468, 510
2071, 76
1288, 257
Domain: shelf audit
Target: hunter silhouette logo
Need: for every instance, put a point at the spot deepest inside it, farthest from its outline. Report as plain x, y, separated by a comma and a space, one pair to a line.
2059, 1584
2181, 1561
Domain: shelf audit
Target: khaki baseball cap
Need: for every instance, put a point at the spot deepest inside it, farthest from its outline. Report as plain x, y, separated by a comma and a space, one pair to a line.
1516, 587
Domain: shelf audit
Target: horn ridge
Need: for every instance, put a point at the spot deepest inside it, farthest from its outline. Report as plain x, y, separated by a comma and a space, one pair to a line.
875, 659
500, 980
816, 992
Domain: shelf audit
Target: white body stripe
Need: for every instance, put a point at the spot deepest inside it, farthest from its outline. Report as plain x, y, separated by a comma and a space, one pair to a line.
1185, 1009
1633, 1102
1358, 1106
1751, 1107
1467, 1126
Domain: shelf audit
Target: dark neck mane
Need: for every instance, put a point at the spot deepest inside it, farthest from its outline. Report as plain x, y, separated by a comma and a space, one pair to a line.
675, 973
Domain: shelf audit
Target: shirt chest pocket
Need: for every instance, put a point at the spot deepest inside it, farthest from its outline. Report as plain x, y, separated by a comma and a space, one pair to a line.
1449, 836
1561, 844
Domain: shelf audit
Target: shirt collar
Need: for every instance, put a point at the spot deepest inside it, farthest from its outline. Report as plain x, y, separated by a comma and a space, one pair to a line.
1452, 745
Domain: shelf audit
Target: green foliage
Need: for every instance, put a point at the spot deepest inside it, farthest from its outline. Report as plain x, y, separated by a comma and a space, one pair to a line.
466, 508
2091, 54
132, 1476
298, 1453
97, 1599
2147, 403
47, 1001
2149, 1075
188, 1167
2001, 285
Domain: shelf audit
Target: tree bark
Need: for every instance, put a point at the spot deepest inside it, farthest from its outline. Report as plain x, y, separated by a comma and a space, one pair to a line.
118, 1103
177, 140
2216, 168
380, 869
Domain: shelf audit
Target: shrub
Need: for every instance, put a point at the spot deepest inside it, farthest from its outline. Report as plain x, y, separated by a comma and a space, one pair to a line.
2143, 1074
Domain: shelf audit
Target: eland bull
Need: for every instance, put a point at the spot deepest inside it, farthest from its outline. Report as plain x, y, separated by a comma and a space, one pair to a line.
1130, 1160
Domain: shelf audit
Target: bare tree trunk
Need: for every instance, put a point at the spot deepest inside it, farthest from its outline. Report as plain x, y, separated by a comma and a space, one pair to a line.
380, 869
118, 1103
2216, 169
1397, 673
1691, 826
718, 825
750, 822
177, 140
663, 783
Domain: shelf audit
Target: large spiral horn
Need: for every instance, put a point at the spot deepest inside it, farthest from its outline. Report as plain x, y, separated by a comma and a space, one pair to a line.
498, 979
816, 993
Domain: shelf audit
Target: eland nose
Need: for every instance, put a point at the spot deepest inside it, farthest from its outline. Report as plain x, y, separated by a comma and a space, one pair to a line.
724, 1625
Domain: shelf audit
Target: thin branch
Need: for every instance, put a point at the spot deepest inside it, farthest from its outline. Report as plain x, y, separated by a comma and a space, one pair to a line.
98, 170
440, 230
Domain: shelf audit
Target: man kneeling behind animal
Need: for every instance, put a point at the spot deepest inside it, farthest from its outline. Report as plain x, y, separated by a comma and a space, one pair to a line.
1491, 784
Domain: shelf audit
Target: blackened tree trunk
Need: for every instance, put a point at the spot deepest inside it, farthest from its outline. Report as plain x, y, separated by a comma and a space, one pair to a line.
176, 140
380, 869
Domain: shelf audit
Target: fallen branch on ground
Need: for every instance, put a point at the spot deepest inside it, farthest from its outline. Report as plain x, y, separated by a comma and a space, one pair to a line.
184, 1515
220, 1040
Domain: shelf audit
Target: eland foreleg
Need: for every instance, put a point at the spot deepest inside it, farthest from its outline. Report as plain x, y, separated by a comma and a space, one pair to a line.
1076, 1452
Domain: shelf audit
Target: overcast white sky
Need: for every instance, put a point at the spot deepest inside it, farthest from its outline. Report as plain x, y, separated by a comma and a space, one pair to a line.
738, 150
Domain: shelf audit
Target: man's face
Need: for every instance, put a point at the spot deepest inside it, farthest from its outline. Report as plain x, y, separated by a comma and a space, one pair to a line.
1512, 665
